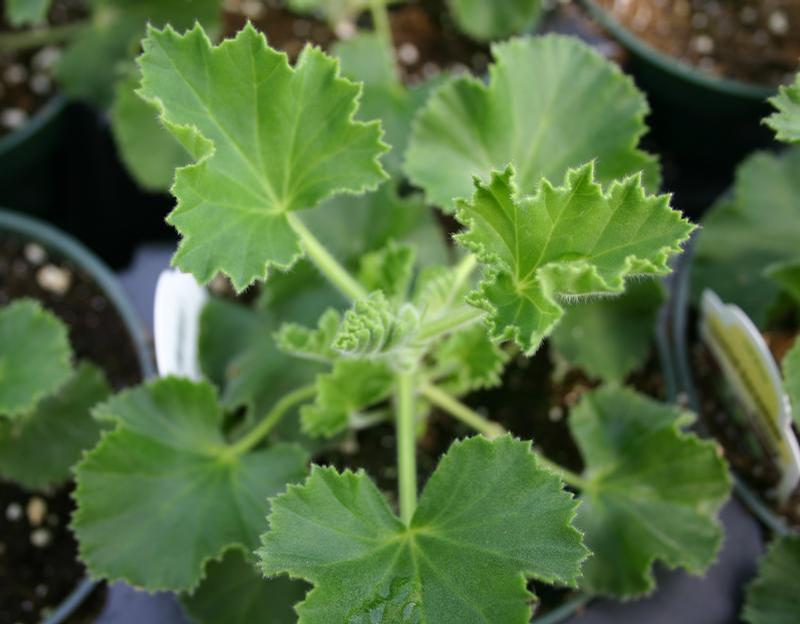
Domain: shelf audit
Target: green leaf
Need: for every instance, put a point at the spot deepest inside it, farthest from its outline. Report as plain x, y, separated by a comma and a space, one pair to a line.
149, 152
494, 20
552, 103
34, 356
333, 11
612, 336
163, 494
744, 234
562, 243
344, 396
791, 379
103, 53
467, 360
772, 596
312, 344
389, 269
233, 592
787, 276
652, 491
268, 139
489, 518
786, 120
366, 59
24, 12
373, 327
38, 449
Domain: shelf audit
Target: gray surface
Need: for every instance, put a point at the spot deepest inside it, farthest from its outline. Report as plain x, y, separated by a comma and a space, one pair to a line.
139, 279
126, 605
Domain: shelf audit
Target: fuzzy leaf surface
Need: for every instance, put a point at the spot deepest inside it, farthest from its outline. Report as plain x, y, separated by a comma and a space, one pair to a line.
611, 337
149, 152
652, 491
486, 502
163, 479
562, 242
772, 597
552, 103
268, 139
233, 592
23, 12
467, 360
389, 270
755, 228
344, 396
34, 356
311, 344
791, 379
38, 449
785, 121
494, 20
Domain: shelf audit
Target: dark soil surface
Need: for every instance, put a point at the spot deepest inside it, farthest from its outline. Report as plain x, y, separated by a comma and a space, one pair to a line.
38, 566
530, 403
723, 419
756, 41
26, 77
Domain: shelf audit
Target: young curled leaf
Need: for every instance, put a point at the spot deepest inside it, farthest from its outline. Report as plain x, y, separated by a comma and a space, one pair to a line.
311, 344
562, 243
389, 269
489, 519
268, 139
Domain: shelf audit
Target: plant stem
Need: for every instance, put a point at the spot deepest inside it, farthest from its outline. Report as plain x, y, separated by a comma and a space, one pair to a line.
456, 408
490, 429
456, 320
37, 37
273, 417
326, 263
380, 20
406, 426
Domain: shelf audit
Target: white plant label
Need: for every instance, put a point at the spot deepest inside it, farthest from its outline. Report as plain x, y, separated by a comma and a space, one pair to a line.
752, 372
179, 300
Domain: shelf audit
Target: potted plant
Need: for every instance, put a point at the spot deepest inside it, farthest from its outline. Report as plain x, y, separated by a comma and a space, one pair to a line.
68, 337
361, 331
747, 254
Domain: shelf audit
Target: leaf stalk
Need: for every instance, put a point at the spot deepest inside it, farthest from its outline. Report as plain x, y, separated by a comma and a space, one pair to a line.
380, 20
405, 395
37, 37
273, 417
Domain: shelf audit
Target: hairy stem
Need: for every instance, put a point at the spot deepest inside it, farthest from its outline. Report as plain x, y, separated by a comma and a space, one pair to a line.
326, 263
273, 417
380, 20
37, 37
456, 408
490, 429
457, 320
406, 445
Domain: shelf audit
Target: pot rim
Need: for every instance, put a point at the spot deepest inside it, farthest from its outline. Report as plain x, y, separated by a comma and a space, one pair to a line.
669, 64
40, 120
70, 248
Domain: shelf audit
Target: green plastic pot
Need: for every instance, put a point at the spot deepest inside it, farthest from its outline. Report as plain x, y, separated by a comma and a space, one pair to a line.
32, 143
65, 246
694, 112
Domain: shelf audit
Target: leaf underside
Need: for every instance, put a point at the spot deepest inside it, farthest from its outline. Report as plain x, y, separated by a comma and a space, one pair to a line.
652, 491
488, 518
552, 103
772, 597
268, 139
560, 244
160, 496
34, 356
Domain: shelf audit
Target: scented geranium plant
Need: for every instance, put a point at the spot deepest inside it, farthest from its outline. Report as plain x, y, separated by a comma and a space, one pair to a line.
366, 317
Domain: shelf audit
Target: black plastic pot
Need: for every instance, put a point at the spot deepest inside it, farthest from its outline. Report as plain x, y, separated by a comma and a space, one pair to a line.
64, 246
701, 118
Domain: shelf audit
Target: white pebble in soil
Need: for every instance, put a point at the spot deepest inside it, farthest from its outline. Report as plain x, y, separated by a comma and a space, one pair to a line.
703, 44
778, 23
41, 538
41, 84
345, 29
13, 118
13, 512
748, 15
252, 9
15, 74
35, 253
36, 510
408, 53
54, 279
45, 58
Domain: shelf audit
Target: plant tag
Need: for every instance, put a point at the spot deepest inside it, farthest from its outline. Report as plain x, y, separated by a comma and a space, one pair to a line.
752, 372
179, 301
